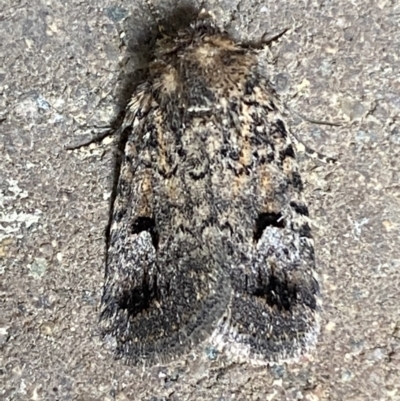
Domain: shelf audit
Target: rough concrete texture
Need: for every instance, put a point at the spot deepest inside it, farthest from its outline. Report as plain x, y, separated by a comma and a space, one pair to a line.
62, 63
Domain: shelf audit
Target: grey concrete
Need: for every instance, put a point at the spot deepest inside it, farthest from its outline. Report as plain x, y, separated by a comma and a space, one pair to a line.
60, 69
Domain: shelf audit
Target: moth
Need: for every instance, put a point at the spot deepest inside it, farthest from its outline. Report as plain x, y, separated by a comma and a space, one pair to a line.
210, 241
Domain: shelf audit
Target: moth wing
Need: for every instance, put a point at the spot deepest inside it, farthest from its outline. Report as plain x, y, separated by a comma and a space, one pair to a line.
165, 289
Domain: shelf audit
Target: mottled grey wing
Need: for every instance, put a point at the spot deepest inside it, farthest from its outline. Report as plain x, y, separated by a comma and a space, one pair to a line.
273, 313
165, 288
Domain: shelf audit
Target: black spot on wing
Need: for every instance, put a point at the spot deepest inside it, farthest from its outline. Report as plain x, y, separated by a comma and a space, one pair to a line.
265, 220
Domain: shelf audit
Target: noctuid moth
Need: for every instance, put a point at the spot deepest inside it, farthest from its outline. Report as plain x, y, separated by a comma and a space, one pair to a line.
209, 239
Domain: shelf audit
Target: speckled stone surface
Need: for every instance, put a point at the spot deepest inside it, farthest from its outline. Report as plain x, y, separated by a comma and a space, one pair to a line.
64, 69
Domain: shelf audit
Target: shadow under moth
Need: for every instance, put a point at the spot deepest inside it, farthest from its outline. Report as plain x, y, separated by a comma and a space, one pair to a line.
209, 240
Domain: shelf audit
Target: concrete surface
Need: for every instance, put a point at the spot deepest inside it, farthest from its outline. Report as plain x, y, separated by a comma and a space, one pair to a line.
61, 65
